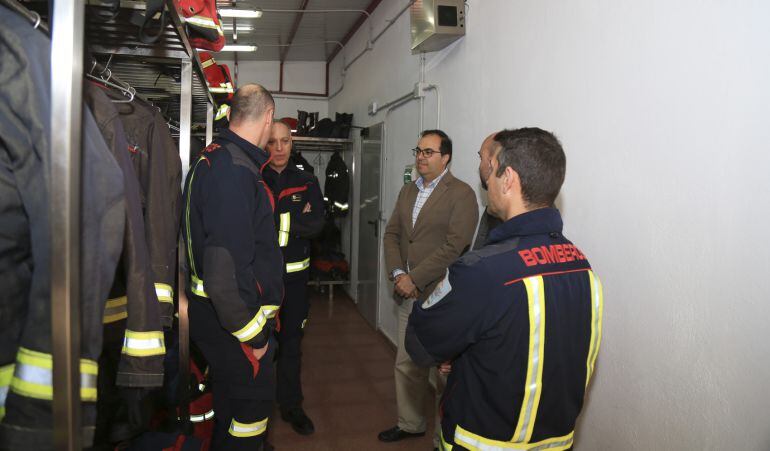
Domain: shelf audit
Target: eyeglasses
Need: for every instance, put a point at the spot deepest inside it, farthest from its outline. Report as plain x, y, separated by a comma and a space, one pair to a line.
427, 153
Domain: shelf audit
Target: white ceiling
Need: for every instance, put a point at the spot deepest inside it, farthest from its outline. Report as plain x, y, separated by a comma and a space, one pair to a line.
271, 33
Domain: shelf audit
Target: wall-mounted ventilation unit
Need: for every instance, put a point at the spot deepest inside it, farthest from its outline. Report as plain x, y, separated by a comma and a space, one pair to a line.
436, 24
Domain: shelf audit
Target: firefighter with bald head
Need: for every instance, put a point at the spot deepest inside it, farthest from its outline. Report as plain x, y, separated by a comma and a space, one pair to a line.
298, 218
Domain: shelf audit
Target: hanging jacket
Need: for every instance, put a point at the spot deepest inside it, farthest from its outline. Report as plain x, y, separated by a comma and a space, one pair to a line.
159, 170
26, 389
293, 189
133, 296
204, 26
301, 163
337, 186
218, 78
232, 247
521, 320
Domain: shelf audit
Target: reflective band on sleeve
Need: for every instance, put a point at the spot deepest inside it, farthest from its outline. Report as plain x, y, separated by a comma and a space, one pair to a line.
6, 374
207, 63
143, 344
256, 324
115, 310
298, 266
341, 206
476, 442
201, 418
304, 321
597, 310
238, 429
534, 379
197, 287
33, 376
165, 292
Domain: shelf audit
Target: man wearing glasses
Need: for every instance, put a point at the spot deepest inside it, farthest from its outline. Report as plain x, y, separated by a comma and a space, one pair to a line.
432, 225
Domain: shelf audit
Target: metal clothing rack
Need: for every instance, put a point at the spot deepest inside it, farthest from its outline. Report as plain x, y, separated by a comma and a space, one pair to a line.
183, 93
313, 144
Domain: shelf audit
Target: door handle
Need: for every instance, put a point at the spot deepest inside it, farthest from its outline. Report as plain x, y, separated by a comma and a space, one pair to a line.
374, 224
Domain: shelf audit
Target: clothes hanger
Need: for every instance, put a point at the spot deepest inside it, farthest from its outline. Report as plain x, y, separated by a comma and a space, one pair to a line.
124, 88
32, 16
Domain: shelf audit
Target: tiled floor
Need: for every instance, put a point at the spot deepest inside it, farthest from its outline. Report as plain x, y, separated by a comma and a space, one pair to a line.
348, 384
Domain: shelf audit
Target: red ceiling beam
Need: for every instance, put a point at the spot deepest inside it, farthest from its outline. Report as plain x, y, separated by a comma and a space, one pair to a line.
294, 28
370, 9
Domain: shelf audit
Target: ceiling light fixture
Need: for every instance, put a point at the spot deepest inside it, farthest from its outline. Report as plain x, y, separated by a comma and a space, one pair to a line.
239, 48
241, 13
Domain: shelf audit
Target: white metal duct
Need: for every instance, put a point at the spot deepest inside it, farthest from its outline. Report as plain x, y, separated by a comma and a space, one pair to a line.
436, 24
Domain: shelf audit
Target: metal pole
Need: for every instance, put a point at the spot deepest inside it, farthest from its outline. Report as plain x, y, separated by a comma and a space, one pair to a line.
66, 116
185, 116
209, 123
185, 125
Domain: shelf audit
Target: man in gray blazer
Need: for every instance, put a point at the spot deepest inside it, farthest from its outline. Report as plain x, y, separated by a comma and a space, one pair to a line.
432, 225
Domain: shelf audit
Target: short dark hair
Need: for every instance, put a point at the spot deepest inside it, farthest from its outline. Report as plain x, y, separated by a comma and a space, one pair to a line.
538, 157
249, 103
446, 144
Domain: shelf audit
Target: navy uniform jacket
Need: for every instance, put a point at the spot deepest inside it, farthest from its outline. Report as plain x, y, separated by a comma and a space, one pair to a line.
230, 238
292, 189
521, 321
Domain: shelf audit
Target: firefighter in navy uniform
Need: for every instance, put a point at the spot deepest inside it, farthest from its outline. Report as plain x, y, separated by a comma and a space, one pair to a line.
517, 323
235, 280
299, 216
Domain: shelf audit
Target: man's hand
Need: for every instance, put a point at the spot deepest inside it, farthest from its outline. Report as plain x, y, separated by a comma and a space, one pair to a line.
307, 208
445, 368
404, 286
259, 353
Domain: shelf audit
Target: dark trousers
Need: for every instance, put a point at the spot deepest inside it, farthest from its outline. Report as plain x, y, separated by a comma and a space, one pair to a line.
294, 311
242, 401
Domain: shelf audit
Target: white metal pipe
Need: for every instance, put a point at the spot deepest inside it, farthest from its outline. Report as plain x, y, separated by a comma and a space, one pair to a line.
438, 104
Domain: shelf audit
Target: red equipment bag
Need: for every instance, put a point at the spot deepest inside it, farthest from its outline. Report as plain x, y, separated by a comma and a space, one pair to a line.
204, 26
217, 77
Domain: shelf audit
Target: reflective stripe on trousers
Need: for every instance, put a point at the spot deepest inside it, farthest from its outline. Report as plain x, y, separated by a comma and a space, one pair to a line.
256, 324
143, 344
476, 442
33, 376
298, 266
238, 429
115, 309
